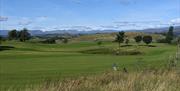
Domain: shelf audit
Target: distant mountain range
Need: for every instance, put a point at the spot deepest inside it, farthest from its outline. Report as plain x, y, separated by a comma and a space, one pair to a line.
74, 32
150, 30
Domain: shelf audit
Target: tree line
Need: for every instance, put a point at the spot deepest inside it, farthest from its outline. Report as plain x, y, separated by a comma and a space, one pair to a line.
21, 35
147, 39
120, 38
24, 35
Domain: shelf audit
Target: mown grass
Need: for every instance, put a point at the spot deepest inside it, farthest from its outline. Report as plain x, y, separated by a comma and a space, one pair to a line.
31, 63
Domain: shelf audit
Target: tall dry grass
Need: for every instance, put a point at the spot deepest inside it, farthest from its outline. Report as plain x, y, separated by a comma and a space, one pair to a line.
116, 81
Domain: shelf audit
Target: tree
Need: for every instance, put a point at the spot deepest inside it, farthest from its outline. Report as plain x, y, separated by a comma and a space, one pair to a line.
12, 34
18, 34
127, 41
147, 39
178, 40
24, 35
99, 42
120, 37
65, 40
0, 39
170, 35
138, 39
0, 42
49, 41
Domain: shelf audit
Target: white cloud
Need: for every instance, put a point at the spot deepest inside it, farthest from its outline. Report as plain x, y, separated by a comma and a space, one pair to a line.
175, 21
41, 18
109, 27
3, 18
86, 28
25, 21
138, 24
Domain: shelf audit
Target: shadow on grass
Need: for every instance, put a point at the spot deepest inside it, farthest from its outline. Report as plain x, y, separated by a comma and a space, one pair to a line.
126, 45
2, 48
149, 45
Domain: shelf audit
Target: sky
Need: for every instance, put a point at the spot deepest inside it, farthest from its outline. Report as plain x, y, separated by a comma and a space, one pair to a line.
50, 15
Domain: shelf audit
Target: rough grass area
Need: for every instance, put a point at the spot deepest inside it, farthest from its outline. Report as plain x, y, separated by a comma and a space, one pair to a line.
115, 81
111, 51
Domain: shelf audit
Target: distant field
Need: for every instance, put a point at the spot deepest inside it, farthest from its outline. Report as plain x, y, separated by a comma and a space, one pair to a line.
31, 63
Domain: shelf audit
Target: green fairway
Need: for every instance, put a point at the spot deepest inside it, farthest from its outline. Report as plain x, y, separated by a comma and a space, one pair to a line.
31, 63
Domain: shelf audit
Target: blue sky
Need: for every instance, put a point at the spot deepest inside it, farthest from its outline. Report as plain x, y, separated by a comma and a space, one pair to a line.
88, 14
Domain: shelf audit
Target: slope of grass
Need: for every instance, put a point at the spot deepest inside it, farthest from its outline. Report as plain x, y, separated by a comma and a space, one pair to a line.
31, 63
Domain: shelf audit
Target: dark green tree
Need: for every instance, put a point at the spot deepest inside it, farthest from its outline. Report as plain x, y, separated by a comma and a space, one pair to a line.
179, 40
24, 35
120, 38
12, 34
127, 41
138, 39
18, 34
170, 35
99, 42
0, 39
0, 42
147, 39
65, 40
49, 41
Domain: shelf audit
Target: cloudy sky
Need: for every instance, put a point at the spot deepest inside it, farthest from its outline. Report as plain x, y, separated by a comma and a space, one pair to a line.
88, 14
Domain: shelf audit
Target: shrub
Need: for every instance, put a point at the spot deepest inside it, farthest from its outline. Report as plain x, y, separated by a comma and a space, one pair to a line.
147, 39
13, 34
138, 39
120, 37
170, 35
161, 41
127, 41
0, 39
175, 41
178, 40
99, 42
65, 41
24, 35
49, 41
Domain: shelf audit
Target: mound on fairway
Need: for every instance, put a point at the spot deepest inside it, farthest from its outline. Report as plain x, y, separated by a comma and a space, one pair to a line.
111, 51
